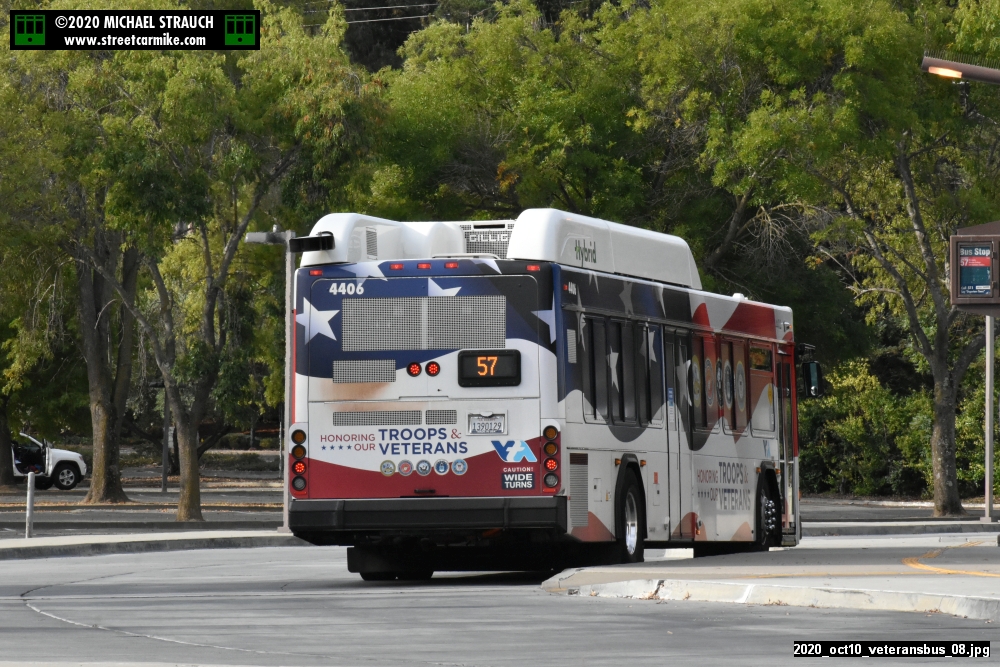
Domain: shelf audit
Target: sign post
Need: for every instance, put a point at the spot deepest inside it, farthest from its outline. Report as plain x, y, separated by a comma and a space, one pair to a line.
974, 271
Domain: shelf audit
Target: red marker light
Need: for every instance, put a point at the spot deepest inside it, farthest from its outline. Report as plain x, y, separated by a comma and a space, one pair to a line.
413, 369
451, 265
423, 265
534, 267
316, 272
299, 467
551, 464
396, 267
433, 368
565, 288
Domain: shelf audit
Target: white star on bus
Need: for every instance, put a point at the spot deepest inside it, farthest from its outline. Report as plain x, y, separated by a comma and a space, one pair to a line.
315, 321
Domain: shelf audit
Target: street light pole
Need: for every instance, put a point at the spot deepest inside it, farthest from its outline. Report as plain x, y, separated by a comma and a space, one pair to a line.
963, 69
293, 246
282, 238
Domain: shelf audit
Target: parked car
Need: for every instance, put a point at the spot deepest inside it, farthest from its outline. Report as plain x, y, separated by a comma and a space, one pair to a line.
60, 467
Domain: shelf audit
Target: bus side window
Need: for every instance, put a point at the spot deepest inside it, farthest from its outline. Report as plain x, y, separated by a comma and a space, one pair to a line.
628, 372
697, 389
654, 342
739, 386
614, 361
726, 390
642, 372
761, 399
599, 365
586, 374
710, 378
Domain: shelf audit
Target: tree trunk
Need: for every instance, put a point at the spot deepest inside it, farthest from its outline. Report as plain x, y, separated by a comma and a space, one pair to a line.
105, 477
189, 498
946, 499
6, 455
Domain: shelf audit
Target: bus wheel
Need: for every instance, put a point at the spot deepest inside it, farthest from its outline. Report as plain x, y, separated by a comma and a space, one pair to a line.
416, 575
631, 518
379, 576
767, 519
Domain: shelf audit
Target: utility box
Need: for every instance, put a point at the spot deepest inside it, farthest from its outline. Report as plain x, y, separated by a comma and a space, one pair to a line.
975, 269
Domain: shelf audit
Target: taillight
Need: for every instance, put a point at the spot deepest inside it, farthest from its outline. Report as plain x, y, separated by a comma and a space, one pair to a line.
550, 432
298, 451
424, 265
551, 465
298, 436
451, 265
433, 368
299, 483
396, 267
533, 267
413, 369
299, 467
315, 272
550, 449
551, 480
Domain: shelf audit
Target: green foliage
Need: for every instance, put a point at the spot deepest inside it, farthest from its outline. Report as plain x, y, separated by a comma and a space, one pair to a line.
862, 439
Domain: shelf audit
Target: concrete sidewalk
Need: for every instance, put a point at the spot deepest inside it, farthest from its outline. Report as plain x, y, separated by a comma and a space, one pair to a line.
93, 545
951, 574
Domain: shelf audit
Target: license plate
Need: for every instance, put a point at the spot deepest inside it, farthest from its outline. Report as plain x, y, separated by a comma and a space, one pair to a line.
492, 425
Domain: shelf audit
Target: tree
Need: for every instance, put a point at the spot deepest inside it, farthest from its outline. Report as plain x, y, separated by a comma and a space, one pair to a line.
207, 142
905, 162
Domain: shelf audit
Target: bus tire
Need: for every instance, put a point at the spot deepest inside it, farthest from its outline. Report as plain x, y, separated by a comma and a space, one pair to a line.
631, 520
378, 576
767, 525
416, 575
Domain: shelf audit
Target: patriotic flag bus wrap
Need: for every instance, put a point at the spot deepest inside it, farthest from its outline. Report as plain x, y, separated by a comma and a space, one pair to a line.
533, 393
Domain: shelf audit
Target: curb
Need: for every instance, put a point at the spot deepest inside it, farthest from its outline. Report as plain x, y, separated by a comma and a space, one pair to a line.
145, 526
838, 528
131, 544
794, 596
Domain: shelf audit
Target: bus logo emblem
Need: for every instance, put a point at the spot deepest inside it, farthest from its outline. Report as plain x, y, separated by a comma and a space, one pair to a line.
423, 468
441, 467
459, 466
514, 451
388, 468
405, 468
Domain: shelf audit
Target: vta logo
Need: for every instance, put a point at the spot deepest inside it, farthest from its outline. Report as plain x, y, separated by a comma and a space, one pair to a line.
514, 451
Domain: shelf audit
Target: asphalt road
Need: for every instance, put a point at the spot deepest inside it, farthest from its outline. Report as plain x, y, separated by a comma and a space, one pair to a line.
300, 606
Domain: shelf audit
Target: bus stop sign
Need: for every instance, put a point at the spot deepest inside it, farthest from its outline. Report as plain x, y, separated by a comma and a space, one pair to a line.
974, 269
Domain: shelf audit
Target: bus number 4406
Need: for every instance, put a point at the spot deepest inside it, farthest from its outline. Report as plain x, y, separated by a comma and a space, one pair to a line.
346, 288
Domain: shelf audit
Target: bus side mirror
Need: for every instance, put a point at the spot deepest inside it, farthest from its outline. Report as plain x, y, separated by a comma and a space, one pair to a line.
811, 380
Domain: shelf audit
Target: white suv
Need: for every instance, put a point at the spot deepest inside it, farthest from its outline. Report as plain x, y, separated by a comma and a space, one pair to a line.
51, 466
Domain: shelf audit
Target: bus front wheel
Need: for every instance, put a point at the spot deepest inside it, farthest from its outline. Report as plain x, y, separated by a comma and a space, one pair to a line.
631, 521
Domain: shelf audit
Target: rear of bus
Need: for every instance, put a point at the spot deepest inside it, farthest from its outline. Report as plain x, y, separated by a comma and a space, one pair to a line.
424, 392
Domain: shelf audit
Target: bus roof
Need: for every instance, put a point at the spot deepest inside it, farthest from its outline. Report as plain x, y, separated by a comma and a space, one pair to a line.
541, 234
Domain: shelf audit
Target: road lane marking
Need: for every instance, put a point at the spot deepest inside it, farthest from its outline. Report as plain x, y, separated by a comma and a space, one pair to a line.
914, 562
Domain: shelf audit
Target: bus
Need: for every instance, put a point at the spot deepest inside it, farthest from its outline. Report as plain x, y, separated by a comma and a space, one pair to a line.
531, 394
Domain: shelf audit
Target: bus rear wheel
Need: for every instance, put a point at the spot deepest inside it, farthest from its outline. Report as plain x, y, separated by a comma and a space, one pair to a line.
767, 530
631, 520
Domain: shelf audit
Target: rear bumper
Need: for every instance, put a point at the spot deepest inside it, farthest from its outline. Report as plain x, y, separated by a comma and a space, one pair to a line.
346, 519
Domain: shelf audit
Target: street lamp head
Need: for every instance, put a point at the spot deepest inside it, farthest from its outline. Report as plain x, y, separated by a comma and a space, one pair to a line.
321, 242
944, 71
960, 67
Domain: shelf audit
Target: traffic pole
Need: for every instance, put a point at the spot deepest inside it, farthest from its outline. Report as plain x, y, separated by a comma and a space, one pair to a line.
289, 373
29, 506
988, 513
